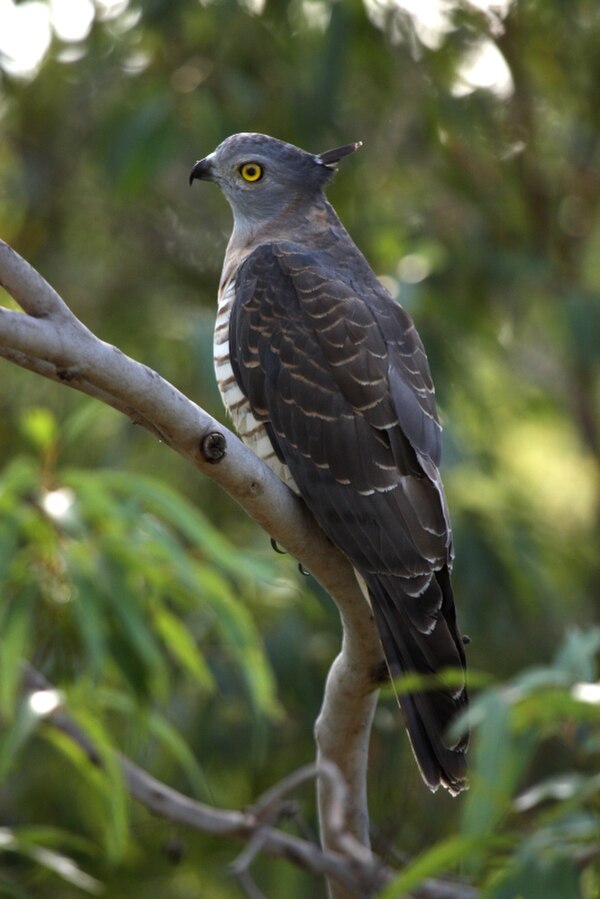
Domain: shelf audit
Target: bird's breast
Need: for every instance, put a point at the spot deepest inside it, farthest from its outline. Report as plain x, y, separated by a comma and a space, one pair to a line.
251, 430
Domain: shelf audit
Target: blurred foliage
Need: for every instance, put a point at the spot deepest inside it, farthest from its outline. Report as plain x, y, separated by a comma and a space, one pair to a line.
542, 841
137, 587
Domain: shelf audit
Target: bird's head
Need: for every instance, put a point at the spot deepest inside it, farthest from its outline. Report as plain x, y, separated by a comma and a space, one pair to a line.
261, 176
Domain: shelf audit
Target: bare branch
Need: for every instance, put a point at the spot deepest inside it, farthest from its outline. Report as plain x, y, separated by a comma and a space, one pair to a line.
248, 885
354, 867
48, 339
51, 341
25, 285
362, 876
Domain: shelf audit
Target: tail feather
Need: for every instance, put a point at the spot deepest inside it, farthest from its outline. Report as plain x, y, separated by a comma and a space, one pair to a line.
425, 644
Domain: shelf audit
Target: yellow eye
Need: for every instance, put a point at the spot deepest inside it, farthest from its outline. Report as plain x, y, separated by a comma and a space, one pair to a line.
251, 171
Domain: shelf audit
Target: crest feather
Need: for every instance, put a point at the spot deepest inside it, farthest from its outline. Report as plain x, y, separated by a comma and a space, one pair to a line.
330, 157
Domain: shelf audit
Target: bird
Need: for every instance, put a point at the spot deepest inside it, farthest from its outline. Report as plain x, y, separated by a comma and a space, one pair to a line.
326, 378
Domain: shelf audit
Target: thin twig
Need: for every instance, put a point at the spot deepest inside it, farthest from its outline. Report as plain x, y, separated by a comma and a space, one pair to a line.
361, 876
248, 884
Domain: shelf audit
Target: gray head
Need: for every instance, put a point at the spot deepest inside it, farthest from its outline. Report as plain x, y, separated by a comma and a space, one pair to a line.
262, 176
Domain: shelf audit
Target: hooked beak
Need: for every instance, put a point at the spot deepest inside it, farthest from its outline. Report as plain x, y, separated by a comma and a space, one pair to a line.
202, 170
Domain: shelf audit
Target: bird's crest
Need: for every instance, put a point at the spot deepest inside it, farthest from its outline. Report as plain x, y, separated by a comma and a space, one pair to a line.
331, 157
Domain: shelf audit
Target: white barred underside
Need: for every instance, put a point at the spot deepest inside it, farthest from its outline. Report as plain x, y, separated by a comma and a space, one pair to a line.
252, 431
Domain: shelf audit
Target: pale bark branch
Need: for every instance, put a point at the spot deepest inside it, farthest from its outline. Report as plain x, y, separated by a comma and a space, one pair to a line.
356, 869
352, 866
48, 339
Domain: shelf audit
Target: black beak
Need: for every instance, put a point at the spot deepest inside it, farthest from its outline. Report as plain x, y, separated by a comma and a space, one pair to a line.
202, 170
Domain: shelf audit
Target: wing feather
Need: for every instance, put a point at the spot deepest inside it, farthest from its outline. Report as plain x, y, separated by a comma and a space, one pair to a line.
341, 381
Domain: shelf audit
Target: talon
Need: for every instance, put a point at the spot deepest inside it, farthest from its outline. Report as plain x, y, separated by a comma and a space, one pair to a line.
281, 552
303, 570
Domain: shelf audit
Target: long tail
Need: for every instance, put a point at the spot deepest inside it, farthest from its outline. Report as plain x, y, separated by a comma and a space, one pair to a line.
420, 634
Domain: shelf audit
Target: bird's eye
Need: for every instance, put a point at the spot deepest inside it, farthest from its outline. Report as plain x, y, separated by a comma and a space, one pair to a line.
251, 171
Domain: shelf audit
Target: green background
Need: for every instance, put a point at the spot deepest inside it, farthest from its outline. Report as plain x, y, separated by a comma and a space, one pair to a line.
174, 632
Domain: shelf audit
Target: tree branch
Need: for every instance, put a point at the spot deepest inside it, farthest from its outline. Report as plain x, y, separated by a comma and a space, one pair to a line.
356, 869
352, 867
47, 338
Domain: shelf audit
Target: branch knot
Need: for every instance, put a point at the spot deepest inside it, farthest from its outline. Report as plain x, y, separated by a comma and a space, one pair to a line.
213, 447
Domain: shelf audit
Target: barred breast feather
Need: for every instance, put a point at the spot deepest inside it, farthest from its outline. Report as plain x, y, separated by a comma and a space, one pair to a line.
251, 430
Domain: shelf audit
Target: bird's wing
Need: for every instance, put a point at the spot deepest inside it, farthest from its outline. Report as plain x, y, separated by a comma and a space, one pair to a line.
336, 372
342, 383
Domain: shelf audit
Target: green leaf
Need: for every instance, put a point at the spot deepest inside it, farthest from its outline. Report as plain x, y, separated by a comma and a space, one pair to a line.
65, 868
51, 836
106, 777
158, 726
180, 513
88, 613
447, 854
577, 655
181, 645
18, 476
445, 678
57, 862
561, 788
14, 737
131, 638
15, 631
78, 424
536, 878
497, 761
239, 633
40, 428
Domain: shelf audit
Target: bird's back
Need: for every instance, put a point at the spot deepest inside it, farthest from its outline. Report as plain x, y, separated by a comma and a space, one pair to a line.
327, 380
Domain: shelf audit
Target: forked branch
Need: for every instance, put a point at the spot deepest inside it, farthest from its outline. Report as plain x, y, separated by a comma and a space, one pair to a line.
47, 338
352, 867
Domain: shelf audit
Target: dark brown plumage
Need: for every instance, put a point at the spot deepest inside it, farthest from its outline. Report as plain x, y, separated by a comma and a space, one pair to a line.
314, 353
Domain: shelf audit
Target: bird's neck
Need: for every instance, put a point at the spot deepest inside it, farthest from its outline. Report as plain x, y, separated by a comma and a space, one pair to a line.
311, 225
298, 220
315, 226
